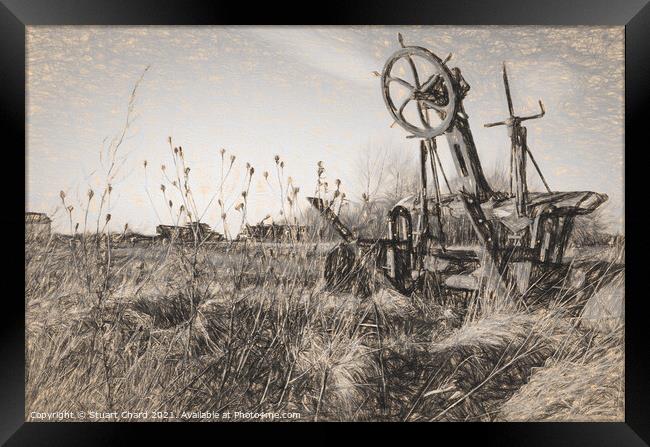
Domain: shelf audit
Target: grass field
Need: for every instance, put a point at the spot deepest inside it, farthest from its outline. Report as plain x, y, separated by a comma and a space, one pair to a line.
248, 327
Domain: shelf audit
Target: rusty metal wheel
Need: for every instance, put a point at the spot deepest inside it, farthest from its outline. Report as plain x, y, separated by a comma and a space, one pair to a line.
339, 267
436, 93
349, 270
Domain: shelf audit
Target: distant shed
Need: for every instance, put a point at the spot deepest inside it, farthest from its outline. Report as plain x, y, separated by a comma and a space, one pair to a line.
274, 232
37, 225
188, 232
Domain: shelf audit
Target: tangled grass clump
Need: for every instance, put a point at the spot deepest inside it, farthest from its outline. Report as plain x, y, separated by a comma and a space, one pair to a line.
579, 388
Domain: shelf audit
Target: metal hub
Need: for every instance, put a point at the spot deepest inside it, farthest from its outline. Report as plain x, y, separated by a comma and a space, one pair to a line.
436, 93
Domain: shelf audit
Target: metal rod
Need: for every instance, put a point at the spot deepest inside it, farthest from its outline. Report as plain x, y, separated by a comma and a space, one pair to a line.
539, 171
512, 156
432, 161
442, 171
423, 193
436, 183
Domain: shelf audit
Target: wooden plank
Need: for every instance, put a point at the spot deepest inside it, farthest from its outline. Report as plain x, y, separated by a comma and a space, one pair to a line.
327, 212
494, 267
458, 255
565, 226
569, 203
465, 156
519, 169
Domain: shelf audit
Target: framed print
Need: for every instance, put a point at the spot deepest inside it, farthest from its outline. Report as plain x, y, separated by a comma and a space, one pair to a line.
384, 214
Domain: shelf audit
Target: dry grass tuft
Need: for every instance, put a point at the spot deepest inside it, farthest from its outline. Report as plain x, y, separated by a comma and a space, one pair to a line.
587, 387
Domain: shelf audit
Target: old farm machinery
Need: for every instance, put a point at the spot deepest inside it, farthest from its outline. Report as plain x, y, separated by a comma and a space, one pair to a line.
522, 235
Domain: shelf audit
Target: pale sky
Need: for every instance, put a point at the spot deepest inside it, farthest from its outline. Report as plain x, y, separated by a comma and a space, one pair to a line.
306, 94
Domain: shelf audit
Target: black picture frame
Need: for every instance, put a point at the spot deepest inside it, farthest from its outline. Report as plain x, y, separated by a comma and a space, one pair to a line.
15, 15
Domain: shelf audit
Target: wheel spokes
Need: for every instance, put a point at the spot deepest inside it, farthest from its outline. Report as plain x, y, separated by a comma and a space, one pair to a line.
400, 111
429, 82
418, 87
401, 82
416, 77
433, 105
424, 117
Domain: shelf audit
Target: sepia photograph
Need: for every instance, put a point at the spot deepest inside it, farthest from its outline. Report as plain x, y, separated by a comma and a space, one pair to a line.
324, 223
